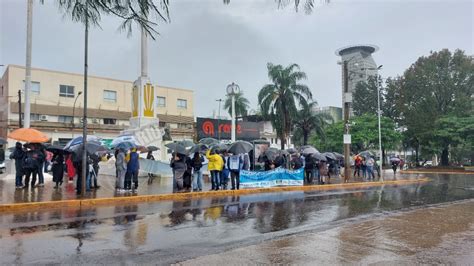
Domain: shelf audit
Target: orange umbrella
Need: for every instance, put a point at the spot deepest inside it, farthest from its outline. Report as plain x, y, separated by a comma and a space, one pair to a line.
28, 135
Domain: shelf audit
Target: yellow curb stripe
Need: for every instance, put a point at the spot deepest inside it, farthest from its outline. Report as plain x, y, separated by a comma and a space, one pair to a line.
437, 172
192, 195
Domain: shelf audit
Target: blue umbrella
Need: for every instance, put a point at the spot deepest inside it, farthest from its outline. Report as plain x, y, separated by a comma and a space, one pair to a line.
126, 145
124, 139
78, 141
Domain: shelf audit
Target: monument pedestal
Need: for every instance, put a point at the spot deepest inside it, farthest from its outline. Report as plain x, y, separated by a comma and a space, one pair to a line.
144, 124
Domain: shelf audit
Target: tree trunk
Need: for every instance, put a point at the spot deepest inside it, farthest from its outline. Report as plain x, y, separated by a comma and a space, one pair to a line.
383, 157
305, 137
282, 142
445, 157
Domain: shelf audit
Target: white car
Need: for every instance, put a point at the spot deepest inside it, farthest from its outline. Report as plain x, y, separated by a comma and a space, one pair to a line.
2, 167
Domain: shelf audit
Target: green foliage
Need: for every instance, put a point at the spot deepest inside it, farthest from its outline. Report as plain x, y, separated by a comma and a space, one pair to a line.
241, 104
365, 97
307, 121
364, 134
141, 12
278, 100
439, 85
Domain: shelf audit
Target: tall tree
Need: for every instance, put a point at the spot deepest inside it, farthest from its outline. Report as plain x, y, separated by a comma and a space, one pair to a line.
308, 5
365, 97
307, 122
278, 101
241, 104
435, 86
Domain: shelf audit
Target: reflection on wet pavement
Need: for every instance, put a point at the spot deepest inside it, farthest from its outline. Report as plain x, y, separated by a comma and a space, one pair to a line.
167, 232
436, 235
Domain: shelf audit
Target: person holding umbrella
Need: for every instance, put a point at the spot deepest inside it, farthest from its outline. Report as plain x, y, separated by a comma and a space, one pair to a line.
235, 163
31, 165
178, 163
18, 155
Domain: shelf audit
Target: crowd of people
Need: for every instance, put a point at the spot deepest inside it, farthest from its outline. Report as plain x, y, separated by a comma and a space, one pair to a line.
222, 165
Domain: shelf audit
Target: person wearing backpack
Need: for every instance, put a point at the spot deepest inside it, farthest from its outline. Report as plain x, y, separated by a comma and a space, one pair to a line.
196, 164
235, 163
19, 156
309, 168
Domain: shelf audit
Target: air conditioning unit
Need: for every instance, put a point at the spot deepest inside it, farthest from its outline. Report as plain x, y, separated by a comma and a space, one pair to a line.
43, 117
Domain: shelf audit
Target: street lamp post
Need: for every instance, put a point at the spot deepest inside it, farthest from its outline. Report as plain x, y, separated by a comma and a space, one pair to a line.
73, 112
379, 113
232, 90
219, 119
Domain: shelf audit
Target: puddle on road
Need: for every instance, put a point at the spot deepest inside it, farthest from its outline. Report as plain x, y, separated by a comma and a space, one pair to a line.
436, 235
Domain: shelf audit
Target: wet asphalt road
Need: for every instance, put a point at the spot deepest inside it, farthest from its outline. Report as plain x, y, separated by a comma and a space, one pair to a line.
168, 232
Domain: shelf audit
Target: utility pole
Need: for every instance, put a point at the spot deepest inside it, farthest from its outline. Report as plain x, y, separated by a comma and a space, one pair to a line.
347, 136
84, 119
19, 109
29, 27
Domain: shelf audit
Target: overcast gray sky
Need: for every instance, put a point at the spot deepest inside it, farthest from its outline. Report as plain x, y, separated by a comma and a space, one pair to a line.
207, 45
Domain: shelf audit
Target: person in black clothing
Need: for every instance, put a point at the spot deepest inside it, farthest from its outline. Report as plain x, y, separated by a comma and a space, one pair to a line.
295, 162
31, 164
18, 155
41, 161
187, 177
309, 168
58, 169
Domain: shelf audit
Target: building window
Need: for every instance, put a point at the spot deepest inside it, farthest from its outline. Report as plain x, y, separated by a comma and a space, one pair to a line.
161, 101
182, 103
110, 96
66, 91
162, 124
34, 88
33, 117
110, 121
65, 119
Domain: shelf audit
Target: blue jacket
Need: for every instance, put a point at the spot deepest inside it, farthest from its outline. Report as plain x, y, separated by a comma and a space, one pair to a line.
133, 165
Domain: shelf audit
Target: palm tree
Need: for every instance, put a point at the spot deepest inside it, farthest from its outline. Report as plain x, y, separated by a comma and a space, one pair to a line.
308, 5
278, 101
241, 104
89, 12
308, 121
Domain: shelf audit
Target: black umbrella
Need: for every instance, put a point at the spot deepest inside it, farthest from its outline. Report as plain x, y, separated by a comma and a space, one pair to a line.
209, 141
57, 149
3, 141
186, 143
309, 150
329, 155
240, 147
291, 150
219, 147
272, 153
366, 154
198, 148
176, 147
319, 156
338, 155
304, 147
152, 148
91, 148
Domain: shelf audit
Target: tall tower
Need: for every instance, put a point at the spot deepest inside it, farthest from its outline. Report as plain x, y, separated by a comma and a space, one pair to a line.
360, 65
